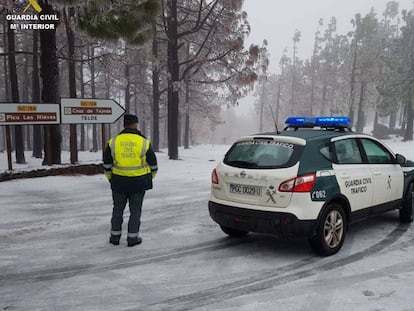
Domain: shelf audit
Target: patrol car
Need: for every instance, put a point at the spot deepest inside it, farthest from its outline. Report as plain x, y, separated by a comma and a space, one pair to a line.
312, 180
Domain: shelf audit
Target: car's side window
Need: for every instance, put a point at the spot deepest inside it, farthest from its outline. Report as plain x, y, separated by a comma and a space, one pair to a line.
325, 150
376, 154
347, 151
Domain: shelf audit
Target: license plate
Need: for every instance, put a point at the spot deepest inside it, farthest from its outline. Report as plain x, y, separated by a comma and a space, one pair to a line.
247, 190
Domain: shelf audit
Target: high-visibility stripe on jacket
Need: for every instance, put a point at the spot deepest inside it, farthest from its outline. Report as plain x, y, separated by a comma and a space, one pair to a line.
129, 155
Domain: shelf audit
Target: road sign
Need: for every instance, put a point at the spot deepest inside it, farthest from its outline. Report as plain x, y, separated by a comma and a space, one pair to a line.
80, 110
29, 113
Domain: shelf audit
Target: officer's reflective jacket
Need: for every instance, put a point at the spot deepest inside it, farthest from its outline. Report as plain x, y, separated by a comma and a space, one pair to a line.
130, 163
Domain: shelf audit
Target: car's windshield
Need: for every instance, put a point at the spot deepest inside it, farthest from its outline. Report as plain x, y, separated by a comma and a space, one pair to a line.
262, 154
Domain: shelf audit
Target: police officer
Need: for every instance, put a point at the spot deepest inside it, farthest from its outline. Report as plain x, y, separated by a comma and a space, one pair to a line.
130, 165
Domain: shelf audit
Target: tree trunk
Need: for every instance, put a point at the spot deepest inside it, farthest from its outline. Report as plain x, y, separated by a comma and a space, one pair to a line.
324, 95
28, 137
14, 83
376, 118
37, 129
6, 134
82, 94
50, 87
107, 95
313, 68
352, 84
180, 127
25, 97
334, 84
25, 79
2, 140
187, 131
164, 143
279, 94
93, 94
408, 134
187, 116
155, 139
5, 84
67, 15
403, 118
127, 88
262, 106
375, 129
174, 71
312, 100
392, 121
6, 71
360, 121
293, 87
144, 127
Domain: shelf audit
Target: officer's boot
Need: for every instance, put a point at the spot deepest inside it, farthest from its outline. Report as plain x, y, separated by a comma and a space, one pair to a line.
114, 239
134, 241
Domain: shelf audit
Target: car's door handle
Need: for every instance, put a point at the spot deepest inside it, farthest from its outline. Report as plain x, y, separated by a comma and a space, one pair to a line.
344, 176
377, 173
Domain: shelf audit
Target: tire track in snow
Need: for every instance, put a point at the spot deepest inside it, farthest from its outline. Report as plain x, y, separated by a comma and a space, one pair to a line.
70, 271
270, 279
319, 302
149, 212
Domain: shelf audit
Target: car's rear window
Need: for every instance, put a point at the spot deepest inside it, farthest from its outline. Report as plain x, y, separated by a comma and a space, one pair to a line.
263, 153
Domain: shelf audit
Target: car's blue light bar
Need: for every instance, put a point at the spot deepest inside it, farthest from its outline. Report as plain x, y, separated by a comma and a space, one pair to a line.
318, 121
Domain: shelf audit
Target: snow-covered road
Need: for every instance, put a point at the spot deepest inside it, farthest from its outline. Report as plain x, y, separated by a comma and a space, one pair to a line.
55, 255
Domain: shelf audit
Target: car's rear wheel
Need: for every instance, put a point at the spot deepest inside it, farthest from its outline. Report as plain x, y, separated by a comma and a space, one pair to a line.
406, 211
233, 232
330, 234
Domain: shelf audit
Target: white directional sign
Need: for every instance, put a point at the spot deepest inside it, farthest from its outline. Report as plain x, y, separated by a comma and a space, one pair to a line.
29, 113
91, 110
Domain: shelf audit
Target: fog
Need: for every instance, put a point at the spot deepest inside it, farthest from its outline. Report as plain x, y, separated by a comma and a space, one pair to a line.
276, 22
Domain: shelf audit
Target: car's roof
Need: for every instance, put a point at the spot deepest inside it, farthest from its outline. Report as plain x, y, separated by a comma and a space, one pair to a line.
308, 134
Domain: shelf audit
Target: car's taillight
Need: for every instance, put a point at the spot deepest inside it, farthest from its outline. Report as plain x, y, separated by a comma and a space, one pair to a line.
287, 186
214, 177
299, 184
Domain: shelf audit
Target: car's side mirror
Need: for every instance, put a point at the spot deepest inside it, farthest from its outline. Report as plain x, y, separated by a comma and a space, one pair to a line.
400, 159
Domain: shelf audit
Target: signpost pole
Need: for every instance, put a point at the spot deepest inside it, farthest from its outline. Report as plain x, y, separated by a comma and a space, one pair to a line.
73, 144
49, 145
103, 139
8, 147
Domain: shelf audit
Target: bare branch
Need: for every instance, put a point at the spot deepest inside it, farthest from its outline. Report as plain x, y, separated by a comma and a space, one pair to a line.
203, 61
200, 23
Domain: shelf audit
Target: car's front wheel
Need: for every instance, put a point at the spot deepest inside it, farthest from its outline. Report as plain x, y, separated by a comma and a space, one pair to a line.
330, 234
406, 211
233, 232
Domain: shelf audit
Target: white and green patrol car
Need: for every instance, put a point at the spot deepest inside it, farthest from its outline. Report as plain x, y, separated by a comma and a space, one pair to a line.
311, 180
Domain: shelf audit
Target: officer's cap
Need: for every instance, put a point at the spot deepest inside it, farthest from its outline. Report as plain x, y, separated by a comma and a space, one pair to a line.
130, 119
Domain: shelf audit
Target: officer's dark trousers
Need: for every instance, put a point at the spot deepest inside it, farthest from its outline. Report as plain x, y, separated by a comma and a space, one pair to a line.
135, 205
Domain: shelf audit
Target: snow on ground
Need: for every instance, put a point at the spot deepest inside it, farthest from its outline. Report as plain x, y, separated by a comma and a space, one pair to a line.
55, 255
398, 146
85, 157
